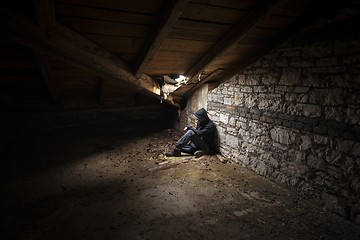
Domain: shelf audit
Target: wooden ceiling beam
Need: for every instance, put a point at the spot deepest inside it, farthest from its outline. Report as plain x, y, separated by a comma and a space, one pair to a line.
49, 79
248, 22
45, 13
46, 19
71, 47
158, 35
321, 10
205, 80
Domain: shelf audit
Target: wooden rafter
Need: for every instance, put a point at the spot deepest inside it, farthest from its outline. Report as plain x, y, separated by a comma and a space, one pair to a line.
248, 22
45, 15
49, 79
66, 44
158, 35
206, 80
317, 13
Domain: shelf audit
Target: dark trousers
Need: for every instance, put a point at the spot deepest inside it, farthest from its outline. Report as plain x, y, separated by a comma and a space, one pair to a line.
190, 142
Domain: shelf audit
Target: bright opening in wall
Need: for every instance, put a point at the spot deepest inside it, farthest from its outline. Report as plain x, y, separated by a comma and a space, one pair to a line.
172, 82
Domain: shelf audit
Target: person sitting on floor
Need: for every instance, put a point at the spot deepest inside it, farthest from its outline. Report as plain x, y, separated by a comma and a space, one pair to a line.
196, 141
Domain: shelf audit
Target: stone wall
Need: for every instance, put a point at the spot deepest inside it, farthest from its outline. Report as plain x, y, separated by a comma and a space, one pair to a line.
198, 100
294, 115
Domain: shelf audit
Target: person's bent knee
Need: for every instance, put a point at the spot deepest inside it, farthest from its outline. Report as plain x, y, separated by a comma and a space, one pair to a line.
191, 132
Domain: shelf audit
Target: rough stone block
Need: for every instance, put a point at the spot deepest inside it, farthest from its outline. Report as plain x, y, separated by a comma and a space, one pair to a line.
218, 98
355, 184
301, 89
264, 104
282, 89
232, 141
249, 148
309, 110
290, 77
352, 116
232, 121
261, 71
323, 140
271, 79
287, 124
327, 70
274, 162
250, 101
291, 53
333, 203
241, 79
349, 135
243, 125
356, 150
291, 97
320, 130
335, 132
221, 130
298, 125
261, 168
333, 113
346, 47
282, 136
243, 158
224, 118
232, 131
246, 89
334, 172
227, 101
348, 165
317, 50
242, 119
287, 116
330, 97
253, 80
315, 162
255, 116
306, 142
238, 98
293, 170
260, 89
267, 119
351, 59
279, 121
335, 158
326, 62
301, 64
283, 62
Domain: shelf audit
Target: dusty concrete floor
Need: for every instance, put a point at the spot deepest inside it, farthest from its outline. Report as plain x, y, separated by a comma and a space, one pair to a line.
102, 183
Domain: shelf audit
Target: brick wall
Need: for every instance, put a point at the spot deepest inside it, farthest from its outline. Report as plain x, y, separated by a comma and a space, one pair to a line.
294, 115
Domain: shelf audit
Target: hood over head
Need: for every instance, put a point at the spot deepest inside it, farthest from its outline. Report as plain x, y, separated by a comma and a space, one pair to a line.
201, 114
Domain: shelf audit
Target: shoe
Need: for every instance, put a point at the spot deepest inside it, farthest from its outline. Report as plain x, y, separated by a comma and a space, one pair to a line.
199, 153
175, 153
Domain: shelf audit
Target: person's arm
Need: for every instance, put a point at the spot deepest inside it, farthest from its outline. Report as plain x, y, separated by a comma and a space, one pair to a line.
208, 128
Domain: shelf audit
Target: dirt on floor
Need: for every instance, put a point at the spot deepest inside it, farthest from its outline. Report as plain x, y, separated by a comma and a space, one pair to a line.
104, 183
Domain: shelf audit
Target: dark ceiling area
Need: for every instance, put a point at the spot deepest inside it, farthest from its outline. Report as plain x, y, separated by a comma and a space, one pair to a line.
89, 54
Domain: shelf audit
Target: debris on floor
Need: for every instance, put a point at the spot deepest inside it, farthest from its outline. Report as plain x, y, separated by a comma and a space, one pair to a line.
84, 184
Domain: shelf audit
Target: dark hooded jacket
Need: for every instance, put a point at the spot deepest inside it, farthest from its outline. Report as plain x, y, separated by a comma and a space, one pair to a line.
205, 127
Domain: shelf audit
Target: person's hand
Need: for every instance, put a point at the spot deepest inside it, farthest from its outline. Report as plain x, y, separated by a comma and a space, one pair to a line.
188, 128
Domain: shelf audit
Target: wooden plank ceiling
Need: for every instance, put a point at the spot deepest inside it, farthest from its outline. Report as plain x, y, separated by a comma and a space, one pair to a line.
58, 53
